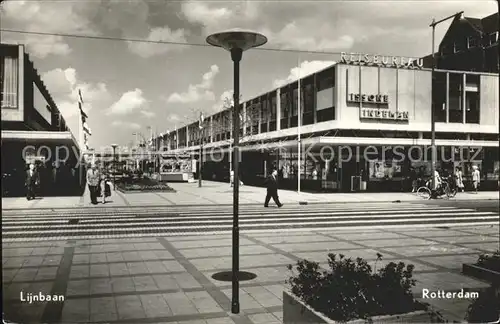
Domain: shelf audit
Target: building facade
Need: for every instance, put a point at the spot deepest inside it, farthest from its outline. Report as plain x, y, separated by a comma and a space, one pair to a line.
33, 129
365, 124
470, 44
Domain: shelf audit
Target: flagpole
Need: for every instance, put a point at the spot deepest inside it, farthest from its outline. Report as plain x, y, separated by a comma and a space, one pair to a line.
299, 122
80, 137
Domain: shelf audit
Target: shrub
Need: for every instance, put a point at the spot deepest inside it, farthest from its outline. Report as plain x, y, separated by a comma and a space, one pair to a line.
486, 308
490, 261
350, 290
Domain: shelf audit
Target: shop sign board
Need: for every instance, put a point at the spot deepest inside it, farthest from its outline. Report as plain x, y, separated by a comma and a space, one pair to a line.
368, 98
384, 114
381, 60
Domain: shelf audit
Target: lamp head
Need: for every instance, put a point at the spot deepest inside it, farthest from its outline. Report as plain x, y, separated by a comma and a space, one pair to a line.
237, 40
114, 145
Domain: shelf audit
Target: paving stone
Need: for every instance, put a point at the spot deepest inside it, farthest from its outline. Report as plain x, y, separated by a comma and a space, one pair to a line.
13, 290
14, 262
166, 282
98, 258
79, 271
431, 250
76, 311
118, 269
78, 287
136, 268
131, 256
148, 255
81, 259
360, 236
122, 285
186, 281
316, 246
46, 273
8, 275
203, 302
99, 270
54, 260
208, 243
33, 261
397, 243
165, 255
129, 307
451, 262
265, 318
101, 286
246, 300
40, 251
155, 306
220, 320
25, 274
264, 297
103, 309
485, 246
114, 257
144, 283
367, 254
173, 266
179, 304
279, 239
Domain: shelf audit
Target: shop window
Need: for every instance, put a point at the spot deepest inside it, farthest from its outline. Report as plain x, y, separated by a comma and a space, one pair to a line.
325, 79
472, 107
325, 114
273, 111
308, 98
439, 96
456, 95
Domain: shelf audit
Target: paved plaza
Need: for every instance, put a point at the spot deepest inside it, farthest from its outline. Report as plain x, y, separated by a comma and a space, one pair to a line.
168, 279
215, 193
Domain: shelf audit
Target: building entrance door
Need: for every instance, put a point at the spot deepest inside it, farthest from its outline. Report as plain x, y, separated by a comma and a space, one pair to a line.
351, 175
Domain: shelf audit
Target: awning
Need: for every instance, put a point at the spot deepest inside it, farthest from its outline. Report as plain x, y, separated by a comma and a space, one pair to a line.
39, 137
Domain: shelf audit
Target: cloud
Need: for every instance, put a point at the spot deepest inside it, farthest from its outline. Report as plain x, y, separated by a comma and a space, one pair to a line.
307, 34
225, 99
197, 92
305, 68
165, 34
131, 125
63, 85
217, 16
129, 101
47, 16
147, 113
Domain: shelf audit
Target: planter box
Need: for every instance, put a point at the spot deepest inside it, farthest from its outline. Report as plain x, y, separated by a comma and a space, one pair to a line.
480, 272
295, 311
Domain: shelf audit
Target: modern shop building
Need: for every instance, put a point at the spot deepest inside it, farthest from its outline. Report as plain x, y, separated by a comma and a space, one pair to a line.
33, 130
375, 108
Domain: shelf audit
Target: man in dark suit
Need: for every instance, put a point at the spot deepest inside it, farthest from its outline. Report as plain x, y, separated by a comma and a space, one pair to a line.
32, 180
272, 189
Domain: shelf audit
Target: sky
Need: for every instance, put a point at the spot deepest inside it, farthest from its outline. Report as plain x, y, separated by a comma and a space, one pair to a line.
128, 86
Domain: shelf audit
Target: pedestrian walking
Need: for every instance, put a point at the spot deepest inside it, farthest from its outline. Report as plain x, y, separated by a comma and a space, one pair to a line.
32, 180
413, 179
93, 182
104, 188
459, 181
272, 189
476, 177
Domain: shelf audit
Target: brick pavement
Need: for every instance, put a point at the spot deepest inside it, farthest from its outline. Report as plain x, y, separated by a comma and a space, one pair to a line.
212, 193
168, 279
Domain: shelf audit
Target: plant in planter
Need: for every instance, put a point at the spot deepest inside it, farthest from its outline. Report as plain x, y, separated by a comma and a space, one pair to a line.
349, 289
486, 308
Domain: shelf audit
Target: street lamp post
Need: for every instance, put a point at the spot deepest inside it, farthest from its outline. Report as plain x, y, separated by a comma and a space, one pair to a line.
114, 163
236, 42
433, 119
202, 134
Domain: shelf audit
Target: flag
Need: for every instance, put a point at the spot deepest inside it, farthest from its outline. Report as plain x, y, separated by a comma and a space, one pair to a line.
87, 129
202, 118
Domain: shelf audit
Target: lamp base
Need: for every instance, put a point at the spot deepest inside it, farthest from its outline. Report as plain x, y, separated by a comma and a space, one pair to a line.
228, 276
235, 307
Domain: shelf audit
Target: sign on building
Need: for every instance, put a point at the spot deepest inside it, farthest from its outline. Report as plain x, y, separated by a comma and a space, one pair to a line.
381, 60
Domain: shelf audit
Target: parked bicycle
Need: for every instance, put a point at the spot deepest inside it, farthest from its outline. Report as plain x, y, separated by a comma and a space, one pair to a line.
445, 189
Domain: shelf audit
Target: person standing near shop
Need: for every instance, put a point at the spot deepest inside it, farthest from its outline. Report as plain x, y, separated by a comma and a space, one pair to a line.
272, 189
93, 181
32, 180
476, 177
459, 181
413, 179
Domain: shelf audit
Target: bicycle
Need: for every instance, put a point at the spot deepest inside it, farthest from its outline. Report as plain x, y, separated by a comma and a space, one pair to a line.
445, 189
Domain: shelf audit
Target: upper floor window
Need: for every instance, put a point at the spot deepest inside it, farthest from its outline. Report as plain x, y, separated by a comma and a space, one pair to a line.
473, 42
493, 38
8, 82
460, 46
325, 79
